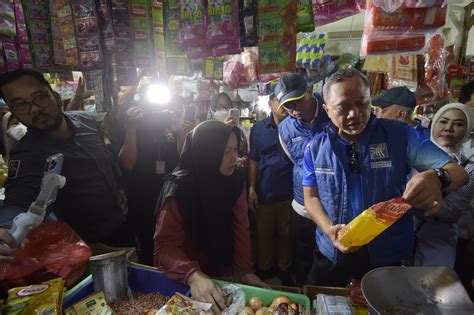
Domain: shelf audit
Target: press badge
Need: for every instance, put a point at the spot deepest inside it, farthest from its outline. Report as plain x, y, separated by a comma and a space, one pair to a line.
160, 167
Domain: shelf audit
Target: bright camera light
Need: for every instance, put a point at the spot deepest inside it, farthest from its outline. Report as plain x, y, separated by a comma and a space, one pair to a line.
158, 94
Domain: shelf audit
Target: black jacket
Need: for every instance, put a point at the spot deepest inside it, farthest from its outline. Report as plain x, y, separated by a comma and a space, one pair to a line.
91, 201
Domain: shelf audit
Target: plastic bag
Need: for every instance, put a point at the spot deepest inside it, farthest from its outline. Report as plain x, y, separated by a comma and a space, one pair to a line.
403, 71
248, 23
249, 60
232, 72
234, 297
41, 299
53, 250
372, 221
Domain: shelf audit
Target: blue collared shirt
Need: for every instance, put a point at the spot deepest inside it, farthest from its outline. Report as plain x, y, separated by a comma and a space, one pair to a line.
274, 169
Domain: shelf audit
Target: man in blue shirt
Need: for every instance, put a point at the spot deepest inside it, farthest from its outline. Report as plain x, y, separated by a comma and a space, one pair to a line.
398, 104
270, 194
358, 161
306, 117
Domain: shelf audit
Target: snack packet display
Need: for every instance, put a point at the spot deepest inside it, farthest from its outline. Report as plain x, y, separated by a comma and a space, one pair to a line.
93, 304
328, 11
248, 23
193, 18
41, 299
277, 27
176, 57
310, 50
104, 15
22, 33
125, 63
58, 43
180, 304
140, 16
157, 16
86, 27
12, 61
373, 221
39, 28
403, 71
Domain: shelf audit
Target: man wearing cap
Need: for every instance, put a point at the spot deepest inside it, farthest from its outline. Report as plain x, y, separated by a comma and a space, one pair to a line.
306, 117
358, 161
398, 104
270, 193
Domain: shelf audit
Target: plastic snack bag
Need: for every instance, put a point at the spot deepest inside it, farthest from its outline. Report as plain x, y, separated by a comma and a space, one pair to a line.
180, 304
373, 221
248, 23
329, 11
234, 298
41, 299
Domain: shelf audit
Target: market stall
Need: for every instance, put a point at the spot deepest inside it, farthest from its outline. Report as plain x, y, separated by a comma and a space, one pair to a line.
194, 50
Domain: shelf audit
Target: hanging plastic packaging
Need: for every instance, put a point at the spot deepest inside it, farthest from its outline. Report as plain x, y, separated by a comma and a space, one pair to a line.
304, 16
328, 11
248, 23
193, 18
393, 27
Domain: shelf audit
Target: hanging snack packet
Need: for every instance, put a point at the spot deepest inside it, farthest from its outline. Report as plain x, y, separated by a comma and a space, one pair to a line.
304, 16
248, 23
7, 19
373, 221
41, 299
328, 11
193, 23
222, 27
277, 26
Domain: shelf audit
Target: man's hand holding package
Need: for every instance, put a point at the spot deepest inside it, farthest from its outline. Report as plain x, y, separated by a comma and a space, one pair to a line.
334, 232
424, 191
204, 289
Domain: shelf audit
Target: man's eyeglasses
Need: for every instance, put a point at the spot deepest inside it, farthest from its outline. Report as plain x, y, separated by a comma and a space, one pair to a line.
41, 99
354, 165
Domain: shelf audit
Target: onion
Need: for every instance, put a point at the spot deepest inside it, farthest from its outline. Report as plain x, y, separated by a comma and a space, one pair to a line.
245, 311
255, 303
281, 299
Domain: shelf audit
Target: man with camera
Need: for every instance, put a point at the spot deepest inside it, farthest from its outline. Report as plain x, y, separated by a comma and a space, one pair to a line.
151, 146
91, 201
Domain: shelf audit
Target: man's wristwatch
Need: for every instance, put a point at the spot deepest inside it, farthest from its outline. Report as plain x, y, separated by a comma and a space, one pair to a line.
443, 177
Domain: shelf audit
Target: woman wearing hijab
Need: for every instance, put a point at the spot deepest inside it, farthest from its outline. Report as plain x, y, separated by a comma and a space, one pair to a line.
437, 236
202, 227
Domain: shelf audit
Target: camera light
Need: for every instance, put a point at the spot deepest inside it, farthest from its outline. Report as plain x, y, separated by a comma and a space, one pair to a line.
158, 94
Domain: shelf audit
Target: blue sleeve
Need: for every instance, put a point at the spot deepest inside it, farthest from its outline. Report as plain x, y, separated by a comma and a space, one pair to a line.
309, 177
253, 154
422, 154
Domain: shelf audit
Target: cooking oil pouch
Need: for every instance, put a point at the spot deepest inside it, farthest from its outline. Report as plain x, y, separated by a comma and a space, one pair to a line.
39, 299
373, 221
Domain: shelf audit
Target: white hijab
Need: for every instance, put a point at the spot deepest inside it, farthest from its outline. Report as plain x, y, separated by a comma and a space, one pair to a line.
455, 151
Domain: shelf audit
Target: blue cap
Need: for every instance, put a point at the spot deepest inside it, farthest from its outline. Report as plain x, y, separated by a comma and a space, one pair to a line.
397, 96
291, 87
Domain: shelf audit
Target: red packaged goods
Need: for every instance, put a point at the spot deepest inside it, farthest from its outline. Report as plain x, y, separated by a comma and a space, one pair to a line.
392, 26
328, 11
355, 294
53, 250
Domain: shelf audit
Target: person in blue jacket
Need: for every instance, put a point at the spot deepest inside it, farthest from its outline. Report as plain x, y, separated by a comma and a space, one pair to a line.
306, 117
357, 161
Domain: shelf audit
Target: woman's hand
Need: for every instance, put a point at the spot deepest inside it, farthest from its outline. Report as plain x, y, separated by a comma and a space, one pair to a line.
253, 280
204, 289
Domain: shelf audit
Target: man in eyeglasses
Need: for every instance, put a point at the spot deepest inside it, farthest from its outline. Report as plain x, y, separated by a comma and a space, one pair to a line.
306, 117
358, 161
91, 201
398, 103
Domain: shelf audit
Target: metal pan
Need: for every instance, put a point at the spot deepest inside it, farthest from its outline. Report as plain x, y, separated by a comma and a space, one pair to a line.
415, 290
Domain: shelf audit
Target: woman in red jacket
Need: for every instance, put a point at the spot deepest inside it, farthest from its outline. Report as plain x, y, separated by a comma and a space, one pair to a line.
202, 226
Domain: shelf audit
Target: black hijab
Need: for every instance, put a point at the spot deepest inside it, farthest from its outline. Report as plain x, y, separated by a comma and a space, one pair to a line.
205, 197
